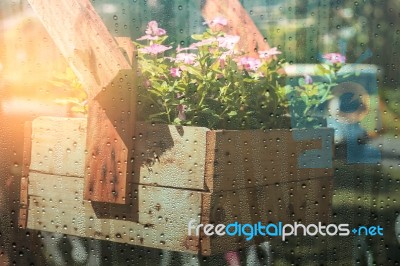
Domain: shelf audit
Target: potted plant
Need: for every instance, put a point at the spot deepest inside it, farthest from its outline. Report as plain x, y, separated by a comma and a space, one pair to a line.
209, 84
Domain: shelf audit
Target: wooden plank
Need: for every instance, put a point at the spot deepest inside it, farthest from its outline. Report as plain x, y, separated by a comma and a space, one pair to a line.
251, 158
110, 131
240, 23
128, 49
109, 79
170, 156
56, 205
163, 155
308, 201
58, 146
84, 40
183, 157
26, 161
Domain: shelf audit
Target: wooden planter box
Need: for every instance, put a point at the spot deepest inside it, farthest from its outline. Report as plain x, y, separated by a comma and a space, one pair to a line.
180, 174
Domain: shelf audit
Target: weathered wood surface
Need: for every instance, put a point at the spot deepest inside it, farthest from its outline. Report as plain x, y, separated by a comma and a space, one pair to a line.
26, 162
163, 155
158, 215
58, 146
240, 23
183, 157
251, 158
83, 39
170, 156
128, 49
307, 201
56, 205
107, 74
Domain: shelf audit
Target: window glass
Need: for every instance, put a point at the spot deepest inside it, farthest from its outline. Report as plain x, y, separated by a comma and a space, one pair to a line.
137, 150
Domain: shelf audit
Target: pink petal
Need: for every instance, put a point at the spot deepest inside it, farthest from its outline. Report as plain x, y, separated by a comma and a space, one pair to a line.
335, 58
155, 49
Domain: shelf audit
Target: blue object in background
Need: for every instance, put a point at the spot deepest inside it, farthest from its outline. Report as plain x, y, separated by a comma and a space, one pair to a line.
353, 113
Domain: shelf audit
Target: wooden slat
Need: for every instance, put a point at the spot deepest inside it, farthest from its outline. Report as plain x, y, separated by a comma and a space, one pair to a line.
99, 63
56, 205
26, 161
128, 49
184, 157
163, 155
240, 23
58, 146
251, 158
110, 131
83, 39
308, 201
170, 156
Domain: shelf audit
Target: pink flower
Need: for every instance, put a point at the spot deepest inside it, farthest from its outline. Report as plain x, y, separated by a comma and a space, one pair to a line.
179, 49
154, 30
175, 72
217, 21
335, 58
154, 49
186, 58
228, 41
203, 42
222, 60
250, 63
181, 111
148, 37
180, 95
308, 79
147, 83
269, 53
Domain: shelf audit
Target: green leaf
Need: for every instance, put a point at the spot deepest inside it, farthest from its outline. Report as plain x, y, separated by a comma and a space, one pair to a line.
232, 113
197, 37
302, 82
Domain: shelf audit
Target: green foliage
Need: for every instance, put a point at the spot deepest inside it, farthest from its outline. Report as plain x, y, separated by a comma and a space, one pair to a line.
75, 95
210, 84
308, 97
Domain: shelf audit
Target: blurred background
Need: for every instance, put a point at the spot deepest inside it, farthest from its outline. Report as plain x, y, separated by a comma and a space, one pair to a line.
303, 30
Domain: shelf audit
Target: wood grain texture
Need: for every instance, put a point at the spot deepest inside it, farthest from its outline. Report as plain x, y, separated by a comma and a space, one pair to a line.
251, 158
239, 23
157, 215
110, 131
56, 205
182, 157
307, 201
26, 162
128, 49
170, 156
83, 39
58, 146
107, 74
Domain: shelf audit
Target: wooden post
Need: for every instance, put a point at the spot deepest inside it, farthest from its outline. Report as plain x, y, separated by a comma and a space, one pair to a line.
101, 66
240, 23
26, 162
